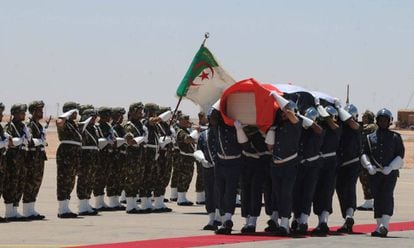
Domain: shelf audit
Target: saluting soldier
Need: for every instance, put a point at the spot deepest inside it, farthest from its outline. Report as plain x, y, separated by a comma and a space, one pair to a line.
368, 126
176, 158
136, 135
349, 165
68, 157
4, 142
89, 158
200, 194
186, 141
383, 157
35, 161
15, 172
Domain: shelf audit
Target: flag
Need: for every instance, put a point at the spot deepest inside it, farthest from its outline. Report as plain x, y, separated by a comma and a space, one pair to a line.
205, 80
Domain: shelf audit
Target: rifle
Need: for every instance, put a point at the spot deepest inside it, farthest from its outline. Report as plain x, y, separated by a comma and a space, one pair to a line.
347, 94
48, 121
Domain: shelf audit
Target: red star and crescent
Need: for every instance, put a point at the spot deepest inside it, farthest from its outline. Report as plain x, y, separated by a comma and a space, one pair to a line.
206, 73
203, 75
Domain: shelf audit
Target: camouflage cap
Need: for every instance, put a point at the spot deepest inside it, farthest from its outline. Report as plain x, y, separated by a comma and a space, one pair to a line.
18, 108
84, 107
184, 117
34, 105
135, 106
104, 111
88, 113
2, 106
369, 114
118, 111
151, 107
69, 106
163, 109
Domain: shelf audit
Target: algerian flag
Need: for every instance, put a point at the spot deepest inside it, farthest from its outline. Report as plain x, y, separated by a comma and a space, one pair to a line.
205, 80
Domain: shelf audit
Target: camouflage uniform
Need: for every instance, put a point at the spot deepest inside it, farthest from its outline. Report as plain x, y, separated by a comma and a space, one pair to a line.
175, 164
36, 157
68, 155
104, 166
119, 152
3, 145
185, 166
134, 165
165, 161
89, 158
15, 170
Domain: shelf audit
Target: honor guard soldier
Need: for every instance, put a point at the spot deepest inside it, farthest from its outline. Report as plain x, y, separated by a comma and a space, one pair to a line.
325, 187
200, 194
382, 158
186, 141
206, 154
89, 158
4, 142
136, 136
283, 141
308, 171
35, 160
15, 171
349, 165
68, 157
176, 158
119, 157
368, 126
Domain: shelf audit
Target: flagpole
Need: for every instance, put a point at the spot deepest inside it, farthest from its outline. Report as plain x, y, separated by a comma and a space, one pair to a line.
206, 36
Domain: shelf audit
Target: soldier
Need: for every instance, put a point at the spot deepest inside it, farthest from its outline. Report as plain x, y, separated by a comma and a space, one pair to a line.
200, 194
227, 170
185, 167
368, 119
136, 135
207, 157
349, 152
15, 171
102, 173
308, 170
68, 157
283, 141
4, 142
35, 160
120, 157
176, 158
383, 157
325, 186
164, 161
89, 158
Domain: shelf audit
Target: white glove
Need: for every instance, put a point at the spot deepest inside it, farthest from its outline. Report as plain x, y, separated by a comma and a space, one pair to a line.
270, 136
194, 134
166, 115
139, 140
371, 170
199, 155
17, 141
164, 141
102, 142
237, 124
205, 163
322, 111
67, 114
386, 170
120, 141
37, 142
337, 103
317, 101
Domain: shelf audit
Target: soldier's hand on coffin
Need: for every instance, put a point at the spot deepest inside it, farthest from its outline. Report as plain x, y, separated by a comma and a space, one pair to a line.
337, 103
386, 170
371, 170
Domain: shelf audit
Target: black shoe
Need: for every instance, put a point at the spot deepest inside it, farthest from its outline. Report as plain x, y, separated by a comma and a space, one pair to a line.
166, 200
271, 226
302, 229
123, 201
217, 223
200, 203
248, 229
225, 228
147, 210
36, 217
17, 219
173, 199
117, 208
282, 232
103, 209
209, 227
382, 232
294, 226
361, 208
347, 226
187, 203
138, 200
162, 210
87, 213
3, 220
321, 230
69, 215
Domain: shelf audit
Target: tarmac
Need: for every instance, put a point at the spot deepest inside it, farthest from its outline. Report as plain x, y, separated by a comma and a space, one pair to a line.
114, 227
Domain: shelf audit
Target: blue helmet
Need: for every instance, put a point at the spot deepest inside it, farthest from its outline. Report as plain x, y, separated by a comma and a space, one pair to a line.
386, 113
352, 110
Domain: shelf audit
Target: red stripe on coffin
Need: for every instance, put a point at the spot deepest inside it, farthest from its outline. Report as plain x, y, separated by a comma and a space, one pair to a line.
265, 105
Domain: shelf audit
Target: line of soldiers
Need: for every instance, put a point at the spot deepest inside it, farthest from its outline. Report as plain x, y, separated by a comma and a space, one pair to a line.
102, 155
298, 164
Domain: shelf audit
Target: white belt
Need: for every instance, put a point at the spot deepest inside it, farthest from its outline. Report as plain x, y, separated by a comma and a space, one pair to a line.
225, 157
251, 155
310, 159
123, 152
350, 161
90, 148
34, 149
71, 142
327, 155
151, 146
187, 154
281, 161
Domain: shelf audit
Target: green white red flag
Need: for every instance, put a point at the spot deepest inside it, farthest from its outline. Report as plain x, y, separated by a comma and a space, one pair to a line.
205, 80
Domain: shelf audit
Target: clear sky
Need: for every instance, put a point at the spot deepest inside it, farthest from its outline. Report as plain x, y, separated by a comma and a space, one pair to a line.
116, 52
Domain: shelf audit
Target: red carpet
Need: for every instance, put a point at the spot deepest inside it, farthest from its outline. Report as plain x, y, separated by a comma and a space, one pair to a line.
206, 240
